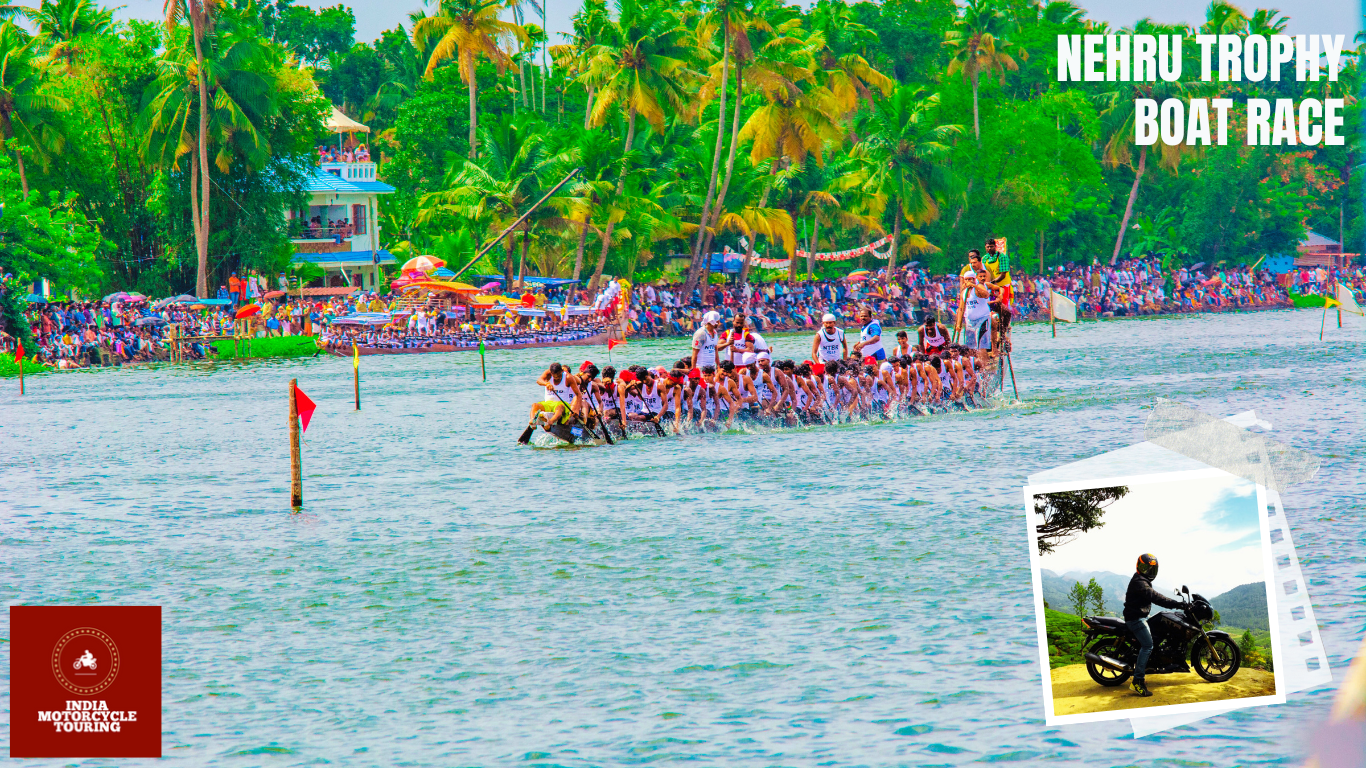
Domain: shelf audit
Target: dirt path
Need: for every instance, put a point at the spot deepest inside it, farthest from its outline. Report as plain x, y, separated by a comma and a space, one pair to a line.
1074, 692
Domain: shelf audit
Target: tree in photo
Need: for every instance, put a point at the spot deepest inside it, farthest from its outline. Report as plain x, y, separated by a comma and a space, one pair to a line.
1079, 597
1095, 596
1067, 513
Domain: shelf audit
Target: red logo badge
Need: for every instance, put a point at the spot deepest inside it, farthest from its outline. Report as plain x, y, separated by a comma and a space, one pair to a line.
85, 681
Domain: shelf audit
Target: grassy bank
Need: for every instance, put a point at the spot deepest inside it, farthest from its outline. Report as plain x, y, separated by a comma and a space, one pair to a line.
271, 346
10, 369
1312, 300
1066, 637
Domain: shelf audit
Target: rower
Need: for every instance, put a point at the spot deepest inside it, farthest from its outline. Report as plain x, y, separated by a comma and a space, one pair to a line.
903, 345
829, 343
933, 336
561, 390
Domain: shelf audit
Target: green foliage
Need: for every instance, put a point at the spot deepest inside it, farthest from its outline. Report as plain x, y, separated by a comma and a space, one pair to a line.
10, 369
46, 235
1065, 513
1079, 597
312, 34
1095, 596
1066, 638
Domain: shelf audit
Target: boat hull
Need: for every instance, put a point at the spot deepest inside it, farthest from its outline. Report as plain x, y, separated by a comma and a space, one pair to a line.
599, 338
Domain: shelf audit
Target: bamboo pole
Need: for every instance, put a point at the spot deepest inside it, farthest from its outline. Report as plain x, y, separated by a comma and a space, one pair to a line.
355, 358
296, 489
21, 375
1052, 320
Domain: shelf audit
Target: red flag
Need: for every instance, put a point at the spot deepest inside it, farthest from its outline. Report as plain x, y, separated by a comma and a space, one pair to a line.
613, 344
305, 406
19, 352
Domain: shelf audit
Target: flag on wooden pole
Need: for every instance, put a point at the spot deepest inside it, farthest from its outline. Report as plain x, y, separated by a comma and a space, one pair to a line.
1062, 307
306, 408
19, 352
1347, 301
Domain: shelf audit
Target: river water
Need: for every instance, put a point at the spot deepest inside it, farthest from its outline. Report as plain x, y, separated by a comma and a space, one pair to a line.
852, 595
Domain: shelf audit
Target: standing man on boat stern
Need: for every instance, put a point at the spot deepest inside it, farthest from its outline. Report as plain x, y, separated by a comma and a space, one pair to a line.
706, 339
829, 343
870, 337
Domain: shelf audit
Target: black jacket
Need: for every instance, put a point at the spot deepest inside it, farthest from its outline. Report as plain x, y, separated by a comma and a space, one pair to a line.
1141, 596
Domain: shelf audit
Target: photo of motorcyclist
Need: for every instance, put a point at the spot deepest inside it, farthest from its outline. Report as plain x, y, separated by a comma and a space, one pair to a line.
1138, 600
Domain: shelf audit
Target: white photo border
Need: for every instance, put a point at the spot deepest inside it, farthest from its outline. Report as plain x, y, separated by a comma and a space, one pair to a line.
1269, 580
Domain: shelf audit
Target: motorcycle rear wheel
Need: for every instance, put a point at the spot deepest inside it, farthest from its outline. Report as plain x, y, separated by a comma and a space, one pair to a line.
1210, 669
1107, 677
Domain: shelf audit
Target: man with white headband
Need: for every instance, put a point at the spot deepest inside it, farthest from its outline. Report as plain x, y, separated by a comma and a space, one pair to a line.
705, 339
829, 343
761, 347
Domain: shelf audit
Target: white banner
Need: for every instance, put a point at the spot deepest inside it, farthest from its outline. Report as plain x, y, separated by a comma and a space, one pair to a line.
1063, 308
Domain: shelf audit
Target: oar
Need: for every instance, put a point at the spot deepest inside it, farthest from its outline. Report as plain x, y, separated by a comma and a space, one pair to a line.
589, 399
585, 426
1011, 366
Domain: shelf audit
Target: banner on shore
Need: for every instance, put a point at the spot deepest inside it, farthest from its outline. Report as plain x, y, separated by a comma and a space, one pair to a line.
1063, 308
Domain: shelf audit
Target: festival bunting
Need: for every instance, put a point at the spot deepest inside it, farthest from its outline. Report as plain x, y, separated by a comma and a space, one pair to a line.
1063, 308
1348, 301
306, 407
852, 253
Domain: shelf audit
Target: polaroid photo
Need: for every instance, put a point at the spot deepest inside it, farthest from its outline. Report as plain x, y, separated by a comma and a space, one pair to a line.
1185, 557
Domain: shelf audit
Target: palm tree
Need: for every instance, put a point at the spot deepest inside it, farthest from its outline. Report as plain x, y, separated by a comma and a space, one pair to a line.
839, 40
909, 151
589, 24
489, 194
643, 66
979, 45
467, 30
62, 24
214, 95
26, 107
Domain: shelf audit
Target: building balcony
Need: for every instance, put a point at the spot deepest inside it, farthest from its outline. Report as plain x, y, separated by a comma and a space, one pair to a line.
350, 171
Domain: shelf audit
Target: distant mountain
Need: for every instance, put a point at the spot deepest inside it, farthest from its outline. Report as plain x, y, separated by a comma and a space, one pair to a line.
1056, 587
1243, 606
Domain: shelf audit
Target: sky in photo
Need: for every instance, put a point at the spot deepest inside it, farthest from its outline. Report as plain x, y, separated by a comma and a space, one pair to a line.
1205, 534
1306, 16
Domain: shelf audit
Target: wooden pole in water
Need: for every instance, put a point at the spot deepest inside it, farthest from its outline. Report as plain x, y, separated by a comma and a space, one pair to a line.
1052, 320
1324, 321
296, 488
21, 375
355, 359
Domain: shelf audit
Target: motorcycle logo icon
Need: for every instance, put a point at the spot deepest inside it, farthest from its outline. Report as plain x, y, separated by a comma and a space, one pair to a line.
85, 661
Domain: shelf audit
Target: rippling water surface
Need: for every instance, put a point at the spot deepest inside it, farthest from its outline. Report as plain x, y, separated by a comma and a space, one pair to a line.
853, 595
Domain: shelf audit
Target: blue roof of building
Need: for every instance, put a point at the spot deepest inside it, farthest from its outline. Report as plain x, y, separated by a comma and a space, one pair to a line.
337, 257
322, 181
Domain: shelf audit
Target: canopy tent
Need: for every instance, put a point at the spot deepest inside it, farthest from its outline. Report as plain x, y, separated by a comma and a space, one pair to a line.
363, 318
574, 309
339, 123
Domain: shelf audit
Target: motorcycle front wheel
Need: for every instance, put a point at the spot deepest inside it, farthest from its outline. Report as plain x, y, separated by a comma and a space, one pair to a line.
1107, 677
1216, 670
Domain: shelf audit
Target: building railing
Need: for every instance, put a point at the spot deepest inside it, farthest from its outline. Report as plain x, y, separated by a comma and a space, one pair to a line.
350, 171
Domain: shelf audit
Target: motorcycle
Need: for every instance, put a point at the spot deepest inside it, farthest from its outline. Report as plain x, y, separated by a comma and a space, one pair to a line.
1111, 651
86, 660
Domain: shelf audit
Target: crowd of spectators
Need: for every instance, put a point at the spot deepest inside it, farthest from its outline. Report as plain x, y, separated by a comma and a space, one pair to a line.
360, 154
1128, 288
95, 333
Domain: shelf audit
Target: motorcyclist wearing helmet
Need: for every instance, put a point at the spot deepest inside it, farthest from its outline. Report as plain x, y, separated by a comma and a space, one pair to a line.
1138, 600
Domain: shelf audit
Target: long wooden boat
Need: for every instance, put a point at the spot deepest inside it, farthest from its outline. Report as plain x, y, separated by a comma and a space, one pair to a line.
588, 341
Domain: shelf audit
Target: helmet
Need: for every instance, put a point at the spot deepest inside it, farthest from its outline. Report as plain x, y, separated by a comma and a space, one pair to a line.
1147, 565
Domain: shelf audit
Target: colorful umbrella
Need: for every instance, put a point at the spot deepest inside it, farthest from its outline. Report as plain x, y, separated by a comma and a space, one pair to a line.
423, 264
246, 311
490, 286
856, 278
